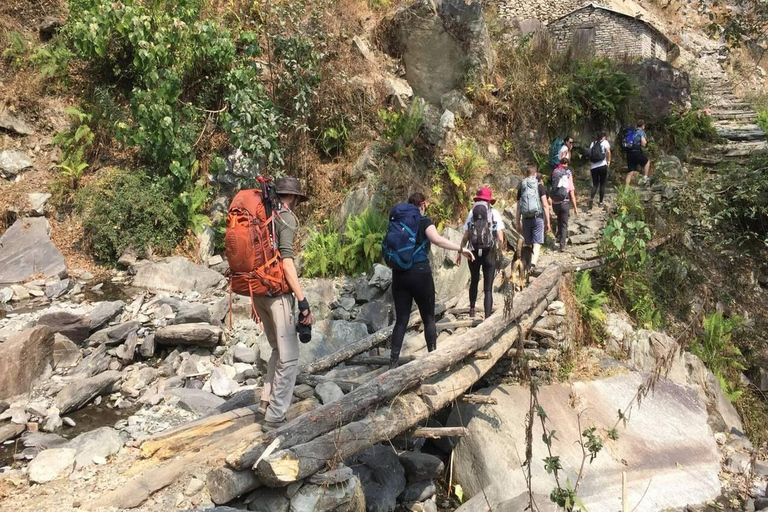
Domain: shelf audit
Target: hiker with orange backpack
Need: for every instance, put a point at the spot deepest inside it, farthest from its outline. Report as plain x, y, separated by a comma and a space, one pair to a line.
405, 249
261, 228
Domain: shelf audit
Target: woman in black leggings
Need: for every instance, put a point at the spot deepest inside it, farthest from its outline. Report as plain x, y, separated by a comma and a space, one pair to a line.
417, 284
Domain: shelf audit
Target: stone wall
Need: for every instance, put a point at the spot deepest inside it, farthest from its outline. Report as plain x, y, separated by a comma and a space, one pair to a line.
614, 35
536, 9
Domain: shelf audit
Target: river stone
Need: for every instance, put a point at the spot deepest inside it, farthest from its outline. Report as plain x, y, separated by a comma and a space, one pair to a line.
103, 313
375, 315
450, 279
320, 293
51, 464
196, 400
244, 354
114, 335
265, 499
333, 476
667, 440
37, 202
199, 334
14, 124
221, 384
328, 392
419, 491
344, 497
364, 292
80, 393
382, 277
13, 162
102, 442
175, 274
147, 348
43, 441
192, 313
23, 358
66, 354
381, 475
73, 326
56, 289
6, 294
26, 250
421, 466
19, 292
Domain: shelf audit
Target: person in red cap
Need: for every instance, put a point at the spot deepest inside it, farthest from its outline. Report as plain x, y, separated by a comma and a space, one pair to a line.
484, 232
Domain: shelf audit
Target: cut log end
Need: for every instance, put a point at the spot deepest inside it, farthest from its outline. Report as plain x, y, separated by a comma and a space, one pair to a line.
438, 432
278, 471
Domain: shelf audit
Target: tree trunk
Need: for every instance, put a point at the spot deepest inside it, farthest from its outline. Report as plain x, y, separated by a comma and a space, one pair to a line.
225, 484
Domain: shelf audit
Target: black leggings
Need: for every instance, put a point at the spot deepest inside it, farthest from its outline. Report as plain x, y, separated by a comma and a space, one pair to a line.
599, 177
562, 210
406, 287
486, 262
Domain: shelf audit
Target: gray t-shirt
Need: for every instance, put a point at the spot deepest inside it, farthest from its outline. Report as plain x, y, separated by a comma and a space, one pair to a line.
285, 225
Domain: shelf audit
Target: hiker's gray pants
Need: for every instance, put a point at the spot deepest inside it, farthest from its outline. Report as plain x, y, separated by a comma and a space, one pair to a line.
276, 314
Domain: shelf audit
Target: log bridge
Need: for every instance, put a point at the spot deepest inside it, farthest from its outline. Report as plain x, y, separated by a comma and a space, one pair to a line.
379, 404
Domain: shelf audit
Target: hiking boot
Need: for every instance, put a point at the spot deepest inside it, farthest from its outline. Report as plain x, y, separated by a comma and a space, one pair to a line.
591, 201
266, 426
601, 205
472, 312
393, 363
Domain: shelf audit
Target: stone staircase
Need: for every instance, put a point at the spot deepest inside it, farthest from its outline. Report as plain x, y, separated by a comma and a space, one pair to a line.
735, 121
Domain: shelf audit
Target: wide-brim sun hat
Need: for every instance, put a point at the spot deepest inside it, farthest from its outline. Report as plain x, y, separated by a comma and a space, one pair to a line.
485, 194
290, 185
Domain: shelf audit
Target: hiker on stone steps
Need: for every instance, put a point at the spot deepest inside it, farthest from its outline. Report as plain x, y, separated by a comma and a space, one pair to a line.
484, 232
532, 213
406, 250
563, 194
277, 314
600, 161
633, 142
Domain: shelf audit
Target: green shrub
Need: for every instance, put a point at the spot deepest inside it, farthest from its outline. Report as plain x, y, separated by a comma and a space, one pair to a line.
590, 304
402, 128
322, 253
762, 120
123, 209
333, 140
74, 143
16, 49
362, 239
719, 354
52, 60
461, 169
600, 92
683, 129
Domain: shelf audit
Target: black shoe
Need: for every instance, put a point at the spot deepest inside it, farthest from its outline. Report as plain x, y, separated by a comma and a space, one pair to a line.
591, 201
394, 363
266, 426
472, 312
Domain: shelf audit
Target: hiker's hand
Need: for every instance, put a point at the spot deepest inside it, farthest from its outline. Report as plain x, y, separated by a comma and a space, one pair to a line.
458, 258
467, 254
305, 315
547, 228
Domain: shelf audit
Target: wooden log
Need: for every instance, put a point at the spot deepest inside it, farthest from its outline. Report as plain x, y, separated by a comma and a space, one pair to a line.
478, 399
360, 346
481, 354
544, 333
442, 326
438, 432
302, 460
357, 403
225, 484
378, 360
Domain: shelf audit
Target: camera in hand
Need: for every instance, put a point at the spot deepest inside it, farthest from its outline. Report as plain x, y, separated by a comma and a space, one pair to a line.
305, 332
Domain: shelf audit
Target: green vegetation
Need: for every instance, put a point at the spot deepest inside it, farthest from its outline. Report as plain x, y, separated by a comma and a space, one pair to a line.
719, 354
685, 129
402, 128
327, 253
590, 304
16, 49
122, 210
460, 172
74, 143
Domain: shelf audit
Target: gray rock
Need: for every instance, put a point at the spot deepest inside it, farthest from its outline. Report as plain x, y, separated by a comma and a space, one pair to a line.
345, 303
381, 475
207, 238
73, 326
662, 87
344, 497
26, 250
761, 469
419, 491
78, 394
492, 452
128, 258
14, 124
116, 334
738, 463
328, 392
6, 294
375, 315
334, 476
37, 202
199, 335
196, 400
382, 277
341, 314
48, 27
243, 398
269, 500
761, 503
343, 333
43, 441
52, 464
221, 384
66, 353
56, 289
102, 442
13, 162
364, 292
244, 354
320, 293
175, 274
762, 379
450, 279
669, 167
103, 313
140, 379
147, 348
192, 313
52, 421
456, 102
421, 466
23, 358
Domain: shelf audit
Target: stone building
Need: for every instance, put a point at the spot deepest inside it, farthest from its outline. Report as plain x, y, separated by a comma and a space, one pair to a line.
594, 29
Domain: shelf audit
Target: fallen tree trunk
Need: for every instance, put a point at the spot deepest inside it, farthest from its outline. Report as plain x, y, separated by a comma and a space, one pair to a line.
225, 484
438, 432
302, 460
357, 403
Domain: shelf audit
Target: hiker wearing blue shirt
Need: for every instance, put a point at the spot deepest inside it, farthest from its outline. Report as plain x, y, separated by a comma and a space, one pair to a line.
636, 157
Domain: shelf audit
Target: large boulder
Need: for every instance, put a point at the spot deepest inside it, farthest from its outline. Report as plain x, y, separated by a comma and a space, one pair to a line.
320, 293
450, 279
175, 274
667, 440
669, 167
440, 42
26, 250
663, 87
51, 464
381, 475
23, 358
80, 393
72, 325
103, 312
102, 442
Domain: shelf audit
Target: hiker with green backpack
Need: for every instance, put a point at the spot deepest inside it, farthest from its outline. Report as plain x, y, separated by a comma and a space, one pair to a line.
559, 149
563, 194
405, 249
532, 213
484, 234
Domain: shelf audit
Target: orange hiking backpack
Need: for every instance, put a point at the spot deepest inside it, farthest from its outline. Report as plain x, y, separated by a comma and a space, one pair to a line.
255, 266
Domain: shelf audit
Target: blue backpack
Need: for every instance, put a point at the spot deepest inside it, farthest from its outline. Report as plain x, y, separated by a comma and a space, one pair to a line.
399, 247
628, 138
554, 152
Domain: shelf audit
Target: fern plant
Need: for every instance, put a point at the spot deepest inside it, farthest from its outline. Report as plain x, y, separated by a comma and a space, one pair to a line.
402, 128
16, 50
322, 250
363, 238
461, 168
718, 353
590, 303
